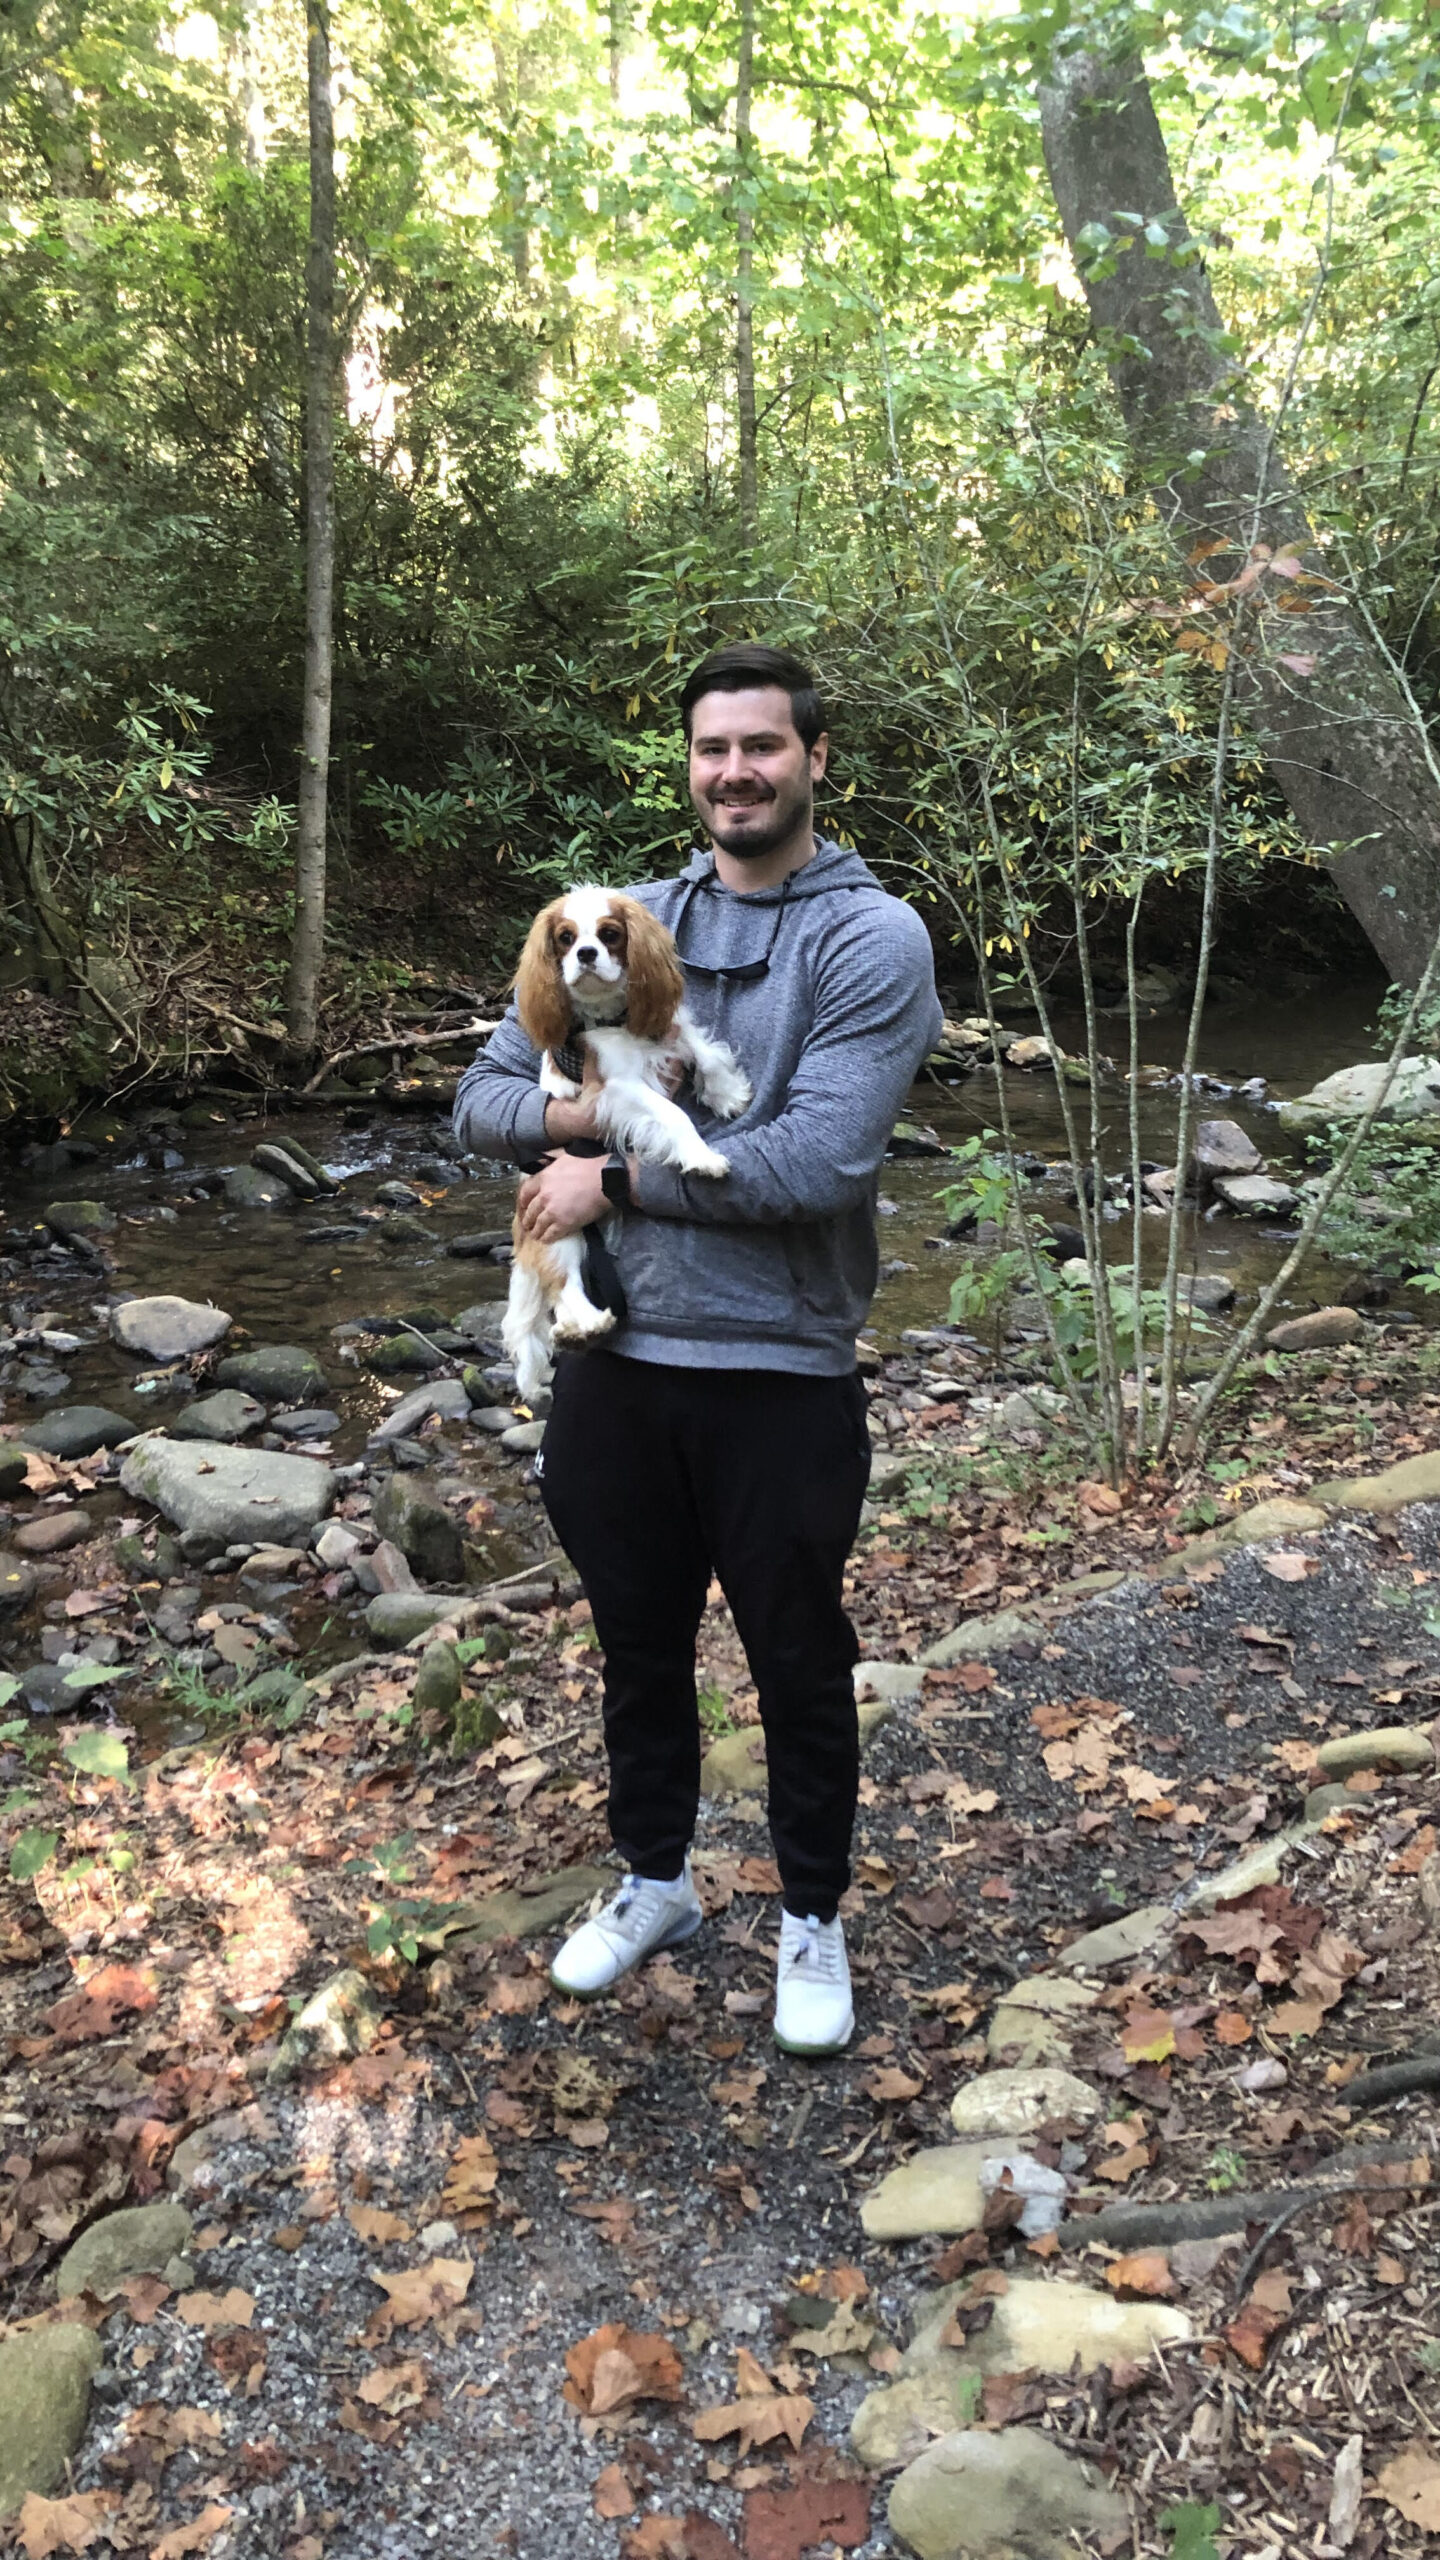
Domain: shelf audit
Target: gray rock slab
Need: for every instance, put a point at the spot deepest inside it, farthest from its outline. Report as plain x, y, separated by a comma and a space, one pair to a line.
84, 1218
936, 2191
892, 1681
248, 1188
282, 1373
1036, 2020
288, 1169
44, 2403
1119, 1940
167, 1328
1221, 1146
306, 1422
1018, 2102
497, 1418
1208, 1292
980, 1639
207, 1488
974, 2496
1414, 1094
227, 1415
1255, 1195
396, 1617
523, 1438
446, 1397
78, 1430
1262, 1863
140, 2240
427, 1535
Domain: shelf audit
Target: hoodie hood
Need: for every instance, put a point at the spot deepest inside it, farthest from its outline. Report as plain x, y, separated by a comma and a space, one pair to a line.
832, 866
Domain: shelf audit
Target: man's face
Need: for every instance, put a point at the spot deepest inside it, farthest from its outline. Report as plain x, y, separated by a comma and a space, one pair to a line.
752, 778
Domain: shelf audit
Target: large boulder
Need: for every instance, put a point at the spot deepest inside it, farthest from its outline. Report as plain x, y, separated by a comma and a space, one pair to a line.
421, 1527
78, 1430
1414, 1095
277, 1372
44, 2403
167, 1328
83, 1218
229, 1494
975, 2496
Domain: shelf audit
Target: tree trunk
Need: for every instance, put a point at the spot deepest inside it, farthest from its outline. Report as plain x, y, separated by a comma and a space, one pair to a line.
745, 285
308, 948
1324, 707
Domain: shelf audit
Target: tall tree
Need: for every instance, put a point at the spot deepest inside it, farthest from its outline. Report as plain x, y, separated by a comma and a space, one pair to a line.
308, 947
1331, 719
747, 427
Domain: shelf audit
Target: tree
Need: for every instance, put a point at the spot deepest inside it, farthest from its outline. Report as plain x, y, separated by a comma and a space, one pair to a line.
746, 425
1338, 734
308, 948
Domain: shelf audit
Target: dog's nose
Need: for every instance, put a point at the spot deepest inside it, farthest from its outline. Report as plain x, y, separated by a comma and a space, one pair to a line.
587, 952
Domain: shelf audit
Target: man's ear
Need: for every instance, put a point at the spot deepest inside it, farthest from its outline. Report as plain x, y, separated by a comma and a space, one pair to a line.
542, 998
819, 756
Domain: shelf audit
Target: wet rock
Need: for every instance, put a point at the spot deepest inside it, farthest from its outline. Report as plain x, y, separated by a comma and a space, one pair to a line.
913, 1138
1016, 2102
52, 1532
1210, 1293
280, 1373
399, 1354
167, 1328
1391, 1746
248, 1188
1322, 1330
446, 1397
17, 1581
336, 1545
398, 1195
396, 1617
45, 1688
306, 1422
482, 1246
479, 1326
1256, 1195
219, 1494
1118, 1941
1030, 2024
12, 1469
341, 2020
227, 1415
83, 1218
973, 2496
522, 1438
1030, 1052
1414, 1094
438, 1681
286, 1168
44, 2403
401, 1228
421, 1527
384, 1569
532, 1914
496, 1418
39, 1382
138, 2241
1221, 1146
77, 1431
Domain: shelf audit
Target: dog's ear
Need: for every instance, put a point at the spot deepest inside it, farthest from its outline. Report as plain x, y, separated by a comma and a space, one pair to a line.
656, 985
542, 998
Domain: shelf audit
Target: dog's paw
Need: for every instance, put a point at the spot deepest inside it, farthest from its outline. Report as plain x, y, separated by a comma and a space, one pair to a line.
707, 1161
576, 1329
728, 1092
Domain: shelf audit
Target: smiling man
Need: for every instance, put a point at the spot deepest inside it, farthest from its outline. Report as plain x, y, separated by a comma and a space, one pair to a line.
721, 1430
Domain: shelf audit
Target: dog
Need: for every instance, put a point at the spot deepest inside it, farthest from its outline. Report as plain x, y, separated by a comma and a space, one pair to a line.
599, 978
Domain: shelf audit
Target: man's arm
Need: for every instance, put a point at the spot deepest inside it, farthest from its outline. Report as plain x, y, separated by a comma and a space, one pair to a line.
500, 1109
876, 1017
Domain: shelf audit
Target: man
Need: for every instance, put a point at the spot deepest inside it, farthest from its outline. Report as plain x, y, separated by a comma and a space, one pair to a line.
722, 1427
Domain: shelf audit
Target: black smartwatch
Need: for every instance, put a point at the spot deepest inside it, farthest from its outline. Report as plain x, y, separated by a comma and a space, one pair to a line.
615, 1181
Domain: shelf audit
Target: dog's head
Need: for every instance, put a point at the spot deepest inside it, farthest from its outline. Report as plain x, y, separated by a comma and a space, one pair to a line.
596, 950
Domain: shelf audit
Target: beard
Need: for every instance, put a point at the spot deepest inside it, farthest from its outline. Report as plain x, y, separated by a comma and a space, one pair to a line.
764, 822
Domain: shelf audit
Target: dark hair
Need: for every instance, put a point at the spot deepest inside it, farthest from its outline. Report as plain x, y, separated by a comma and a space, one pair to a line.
743, 666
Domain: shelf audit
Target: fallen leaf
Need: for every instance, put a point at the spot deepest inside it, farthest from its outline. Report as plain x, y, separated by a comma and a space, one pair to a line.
1233, 2027
847, 2334
1289, 1567
1411, 2484
191, 2537
116, 1991
612, 2495
1146, 2273
966, 1800
783, 2524
706, 2540
64, 2524
375, 2225
1251, 2331
1148, 2035
655, 2538
614, 2367
892, 2086
1100, 1498
418, 2294
232, 2310
757, 2421
393, 2387
472, 2176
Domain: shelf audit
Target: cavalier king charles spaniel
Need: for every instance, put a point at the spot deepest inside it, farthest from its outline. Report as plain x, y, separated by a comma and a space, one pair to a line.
599, 977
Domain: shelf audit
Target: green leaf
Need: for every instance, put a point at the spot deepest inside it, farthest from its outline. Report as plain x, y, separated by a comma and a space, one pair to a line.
92, 1675
32, 1851
8, 1686
1194, 2529
98, 1754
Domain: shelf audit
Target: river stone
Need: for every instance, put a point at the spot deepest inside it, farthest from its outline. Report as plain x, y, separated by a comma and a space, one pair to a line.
975, 2496
77, 1431
248, 1188
44, 2403
1016, 2102
52, 1531
1208, 1292
1042, 2324
1260, 1864
167, 1328
335, 1545
1030, 1051
306, 1422
1322, 1330
438, 1681
1256, 1195
84, 1218
209, 1489
1119, 1940
138, 2241
1029, 2025
446, 1396
17, 1581
1389, 1746
1412, 1480
496, 1418
531, 1915
12, 1468
422, 1529
523, 1438
227, 1415
383, 1569
1321, 1802
286, 1168
396, 1617
1221, 1146
1414, 1094
341, 2020
277, 1372
396, 1354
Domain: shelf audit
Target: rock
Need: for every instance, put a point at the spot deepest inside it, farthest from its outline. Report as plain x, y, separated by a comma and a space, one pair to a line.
1028, 2025
1044, 2323
1208, 1292
335, 1545
736, 1765
207, 1488
974, 2496
13, 1468
893, 1681
446, 1397
438, 1681
306, 1422
1428, 1887
1281, 1518
167, 1328
530, 1915
384, 1569
1414, 1094
1321, 1802
272, 1564
1411, 1480
17, 1581
84, 1218
1119, 1940
1320, 1331
1023, 1412
480, 1246
192, 2162
1011, 2102
397, 1354
1030, 1052
44, 2403
280, 1373
398, 1195
52, 1532
397, 1617
1260, 1864
227, 1415
933, 2192
1257, 1195
77, 1431
979, 1639
1221, 1146
38, 1382
522, 1438
493, 1417
135, 2242
286, 1168
247, 1188
1390, 1746
342, 2019
421, 1527
1043, 2190
912, 1138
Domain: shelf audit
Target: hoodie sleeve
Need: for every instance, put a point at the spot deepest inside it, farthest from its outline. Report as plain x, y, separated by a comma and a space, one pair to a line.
876, 1017
499, 1107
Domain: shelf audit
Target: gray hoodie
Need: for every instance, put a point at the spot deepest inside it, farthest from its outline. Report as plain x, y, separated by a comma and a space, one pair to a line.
775, 1267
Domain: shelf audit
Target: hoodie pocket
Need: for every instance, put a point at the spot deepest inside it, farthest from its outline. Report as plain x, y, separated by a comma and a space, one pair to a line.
710, 1283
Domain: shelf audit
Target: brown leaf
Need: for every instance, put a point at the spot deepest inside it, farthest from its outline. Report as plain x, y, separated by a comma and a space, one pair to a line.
1005, 2398
1411, 2484
783, 2524
1355, 2231
375, 2225
116, 1991
1251, 2331
706, 2540
1100, 1498
232, 2310
891, 2086
1146, 2273
191, 2537
418, 2294
471, 2177
1148, 2035
64, 2524
1288, 1567
612, 2494
614, 2367
757, 2421
655, 2538
393, 2387
1233, 2027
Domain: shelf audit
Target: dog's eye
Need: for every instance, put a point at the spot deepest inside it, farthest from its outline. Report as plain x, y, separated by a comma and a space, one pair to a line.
612, 935
564, 938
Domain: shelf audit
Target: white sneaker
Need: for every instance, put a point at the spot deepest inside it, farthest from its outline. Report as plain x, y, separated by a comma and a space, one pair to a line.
814, 2012
636, 1922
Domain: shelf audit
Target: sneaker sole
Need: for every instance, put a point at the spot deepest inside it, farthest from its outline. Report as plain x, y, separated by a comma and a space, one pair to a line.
814, 2052
675, 1938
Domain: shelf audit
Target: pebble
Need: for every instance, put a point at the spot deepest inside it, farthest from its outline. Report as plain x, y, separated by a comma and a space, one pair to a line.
52, 1531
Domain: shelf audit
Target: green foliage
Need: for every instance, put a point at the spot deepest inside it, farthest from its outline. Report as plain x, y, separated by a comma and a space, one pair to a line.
99, 1754
715, 1716
33, 1850
1226, 2170
1193, 2529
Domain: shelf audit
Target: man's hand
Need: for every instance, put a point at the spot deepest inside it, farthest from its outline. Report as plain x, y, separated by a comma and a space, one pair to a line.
564, 1198
565, 1120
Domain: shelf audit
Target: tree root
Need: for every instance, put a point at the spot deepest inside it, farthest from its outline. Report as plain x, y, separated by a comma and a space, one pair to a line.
1150, 2226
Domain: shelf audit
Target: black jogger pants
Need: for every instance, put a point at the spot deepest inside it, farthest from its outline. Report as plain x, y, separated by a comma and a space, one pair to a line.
657, 1477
